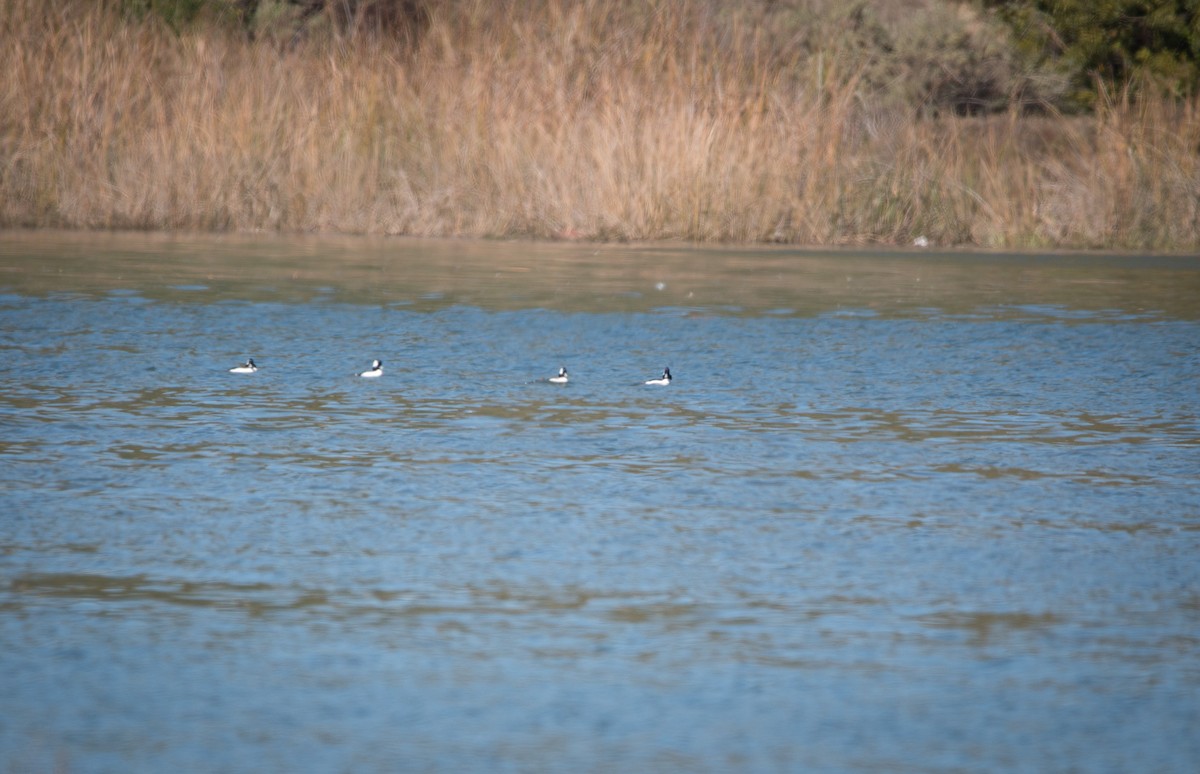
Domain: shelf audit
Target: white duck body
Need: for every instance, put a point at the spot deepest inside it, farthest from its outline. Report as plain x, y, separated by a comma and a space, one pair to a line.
661, 381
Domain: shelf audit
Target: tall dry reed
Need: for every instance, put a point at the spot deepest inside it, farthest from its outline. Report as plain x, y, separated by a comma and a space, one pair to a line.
554, 119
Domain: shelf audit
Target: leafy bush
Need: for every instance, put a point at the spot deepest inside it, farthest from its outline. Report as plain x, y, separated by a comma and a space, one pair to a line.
1147, 42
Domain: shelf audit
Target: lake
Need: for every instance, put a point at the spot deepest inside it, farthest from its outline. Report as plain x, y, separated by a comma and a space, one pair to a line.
907, 511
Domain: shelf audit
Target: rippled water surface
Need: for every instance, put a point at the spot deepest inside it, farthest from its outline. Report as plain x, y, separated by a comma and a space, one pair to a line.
896, 513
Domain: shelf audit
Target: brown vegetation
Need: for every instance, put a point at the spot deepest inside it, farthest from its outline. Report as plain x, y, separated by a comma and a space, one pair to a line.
560, 119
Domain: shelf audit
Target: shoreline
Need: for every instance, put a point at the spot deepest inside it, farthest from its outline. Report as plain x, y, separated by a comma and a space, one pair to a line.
166, 236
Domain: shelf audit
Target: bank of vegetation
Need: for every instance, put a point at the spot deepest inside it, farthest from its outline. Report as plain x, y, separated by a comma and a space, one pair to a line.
811, 122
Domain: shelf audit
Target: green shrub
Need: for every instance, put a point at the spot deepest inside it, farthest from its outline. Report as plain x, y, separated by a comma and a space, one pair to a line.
1151, 43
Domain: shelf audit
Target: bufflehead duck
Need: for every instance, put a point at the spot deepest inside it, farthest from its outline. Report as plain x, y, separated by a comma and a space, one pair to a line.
247, 368
376, 369
561, 378
663, 380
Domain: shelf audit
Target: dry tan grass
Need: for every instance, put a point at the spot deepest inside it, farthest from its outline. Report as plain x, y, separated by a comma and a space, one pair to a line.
554, 119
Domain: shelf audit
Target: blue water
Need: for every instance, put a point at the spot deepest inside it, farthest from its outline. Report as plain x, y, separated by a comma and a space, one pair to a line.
896, 512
